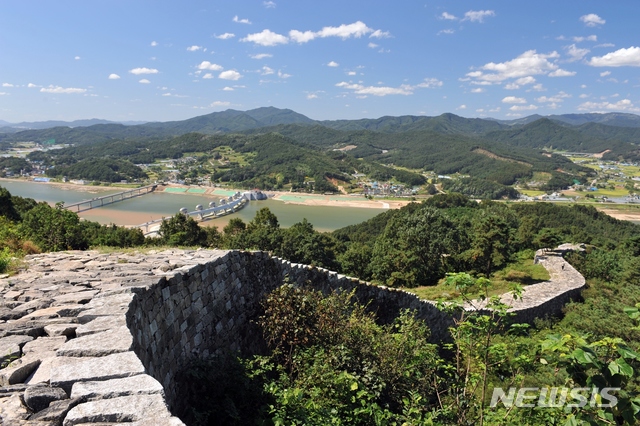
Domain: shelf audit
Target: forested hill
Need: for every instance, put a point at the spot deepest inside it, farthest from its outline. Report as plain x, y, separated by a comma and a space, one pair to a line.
557, 131
547, 134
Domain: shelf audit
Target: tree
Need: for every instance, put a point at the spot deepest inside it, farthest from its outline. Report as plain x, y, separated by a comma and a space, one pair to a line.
182, 230
414, 249
263, 232
302, 244
53, 229
491, 243
7, 208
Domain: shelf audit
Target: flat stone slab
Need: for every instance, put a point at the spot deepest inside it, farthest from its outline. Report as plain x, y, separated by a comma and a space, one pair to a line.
117, 304
119, 410
54, 330
65, 371
80, 297
100, 324
56, 312
98, 344
142, 384
44, 344
10, 348
18, 370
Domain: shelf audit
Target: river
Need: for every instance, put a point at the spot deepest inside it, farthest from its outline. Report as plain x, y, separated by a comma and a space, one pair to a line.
142, 209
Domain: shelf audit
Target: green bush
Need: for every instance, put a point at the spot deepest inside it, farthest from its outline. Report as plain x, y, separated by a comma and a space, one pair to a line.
5, 259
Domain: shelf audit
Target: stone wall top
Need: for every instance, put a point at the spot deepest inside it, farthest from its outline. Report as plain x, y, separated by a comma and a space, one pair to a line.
90, 337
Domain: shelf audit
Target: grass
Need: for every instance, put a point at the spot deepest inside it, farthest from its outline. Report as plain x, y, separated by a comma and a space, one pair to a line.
522, 272
531, 192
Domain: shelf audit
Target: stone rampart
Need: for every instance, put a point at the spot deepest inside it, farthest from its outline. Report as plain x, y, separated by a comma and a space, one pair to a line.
87, 337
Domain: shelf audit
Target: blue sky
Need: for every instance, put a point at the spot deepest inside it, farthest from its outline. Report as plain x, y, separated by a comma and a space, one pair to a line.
168, 60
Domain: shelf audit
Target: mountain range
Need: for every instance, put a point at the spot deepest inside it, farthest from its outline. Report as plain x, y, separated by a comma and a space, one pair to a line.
616, 133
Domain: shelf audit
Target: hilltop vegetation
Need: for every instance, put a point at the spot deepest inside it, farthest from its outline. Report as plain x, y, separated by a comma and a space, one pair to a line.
331, 361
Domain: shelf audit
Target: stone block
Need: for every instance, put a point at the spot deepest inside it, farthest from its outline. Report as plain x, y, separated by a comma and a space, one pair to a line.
38, 397
65, 371
98, 344
141, 384
136, 408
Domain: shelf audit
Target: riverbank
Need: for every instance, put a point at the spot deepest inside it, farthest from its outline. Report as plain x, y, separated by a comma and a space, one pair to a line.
67, 186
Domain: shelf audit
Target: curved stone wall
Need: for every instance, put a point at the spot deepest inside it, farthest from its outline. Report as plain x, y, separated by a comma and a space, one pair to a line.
93, 337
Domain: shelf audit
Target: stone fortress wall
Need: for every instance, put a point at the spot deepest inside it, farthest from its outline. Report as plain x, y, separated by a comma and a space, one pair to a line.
90, 337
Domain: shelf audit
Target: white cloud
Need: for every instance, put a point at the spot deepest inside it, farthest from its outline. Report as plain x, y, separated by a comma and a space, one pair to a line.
241, 21
312, 96
266, 70
225, 36
430, 83
478, 90
206, 65
621, 105
154, 43
478, 15
359, 89
539, 87
352, 73
576, 53
514, 100
3, 93
380, 34
269, 4
139, 71
560, 97
283, 75
447, 31
219, 103
31, 85
113, 77
447, 16
301, 37
592, 20
144, 81
166, 94
463, 106
523, 108
357, 29
583, 96
404, 89
62, 90
194, 48
620, 58
520, 82
605, 73
372, 45
562, 73
528, 64
261, 56
230, 75
588, 38
208, 76
7, 85
605, 45
333, 64
77, 58
228, 89
266, 38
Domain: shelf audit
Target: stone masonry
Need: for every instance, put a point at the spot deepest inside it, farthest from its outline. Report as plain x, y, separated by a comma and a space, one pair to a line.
89, 337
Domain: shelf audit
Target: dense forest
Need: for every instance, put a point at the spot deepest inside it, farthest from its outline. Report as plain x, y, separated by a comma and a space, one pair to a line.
281, 148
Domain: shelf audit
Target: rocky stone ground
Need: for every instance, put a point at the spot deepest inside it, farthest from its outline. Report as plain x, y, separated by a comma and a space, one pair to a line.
65, 349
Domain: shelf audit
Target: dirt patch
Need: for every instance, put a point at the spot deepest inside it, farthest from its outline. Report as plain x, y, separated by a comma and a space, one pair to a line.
497, 157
